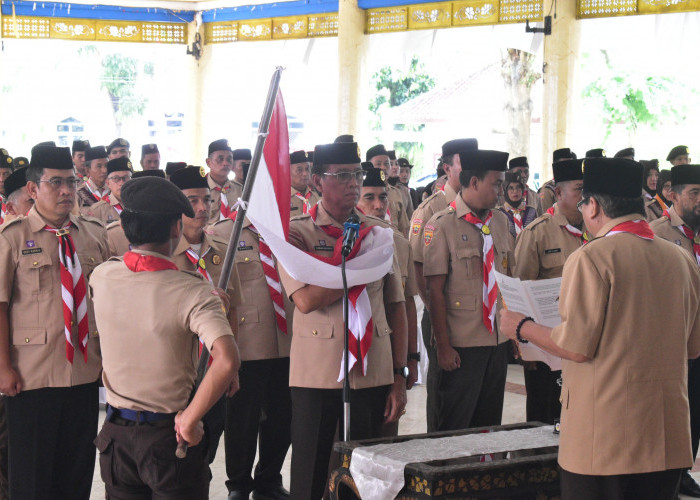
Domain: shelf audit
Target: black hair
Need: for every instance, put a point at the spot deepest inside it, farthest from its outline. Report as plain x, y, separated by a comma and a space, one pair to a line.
319, 169
616, 206
140, 228
34, 173
465, 176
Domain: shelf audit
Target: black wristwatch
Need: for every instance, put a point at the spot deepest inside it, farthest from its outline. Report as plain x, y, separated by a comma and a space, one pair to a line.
414, 355
403, 371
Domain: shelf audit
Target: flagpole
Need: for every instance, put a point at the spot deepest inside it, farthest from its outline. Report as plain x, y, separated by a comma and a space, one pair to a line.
227, 266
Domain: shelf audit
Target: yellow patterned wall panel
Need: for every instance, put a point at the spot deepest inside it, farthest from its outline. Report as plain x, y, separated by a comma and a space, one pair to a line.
289, 27
430, 15
221, 32
164, 32
606, 8
25, 27
323, 25
516, 11
387, 19
73, 29
118, 31
664, 6
469, 12
255, 29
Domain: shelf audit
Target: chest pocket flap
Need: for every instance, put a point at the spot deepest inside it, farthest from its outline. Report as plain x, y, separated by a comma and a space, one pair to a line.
471, 257
251, 269
36, 273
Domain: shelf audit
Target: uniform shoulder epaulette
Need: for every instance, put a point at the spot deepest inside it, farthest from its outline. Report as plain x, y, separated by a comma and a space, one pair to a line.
300, 217
376, 221
94, 220
442, 213
114, 224
425, 202
194, 274
222, 222
11, 222
218, 240
539, 220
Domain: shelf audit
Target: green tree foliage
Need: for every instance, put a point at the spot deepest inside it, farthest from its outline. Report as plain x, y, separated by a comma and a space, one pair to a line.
633, 99
119, 78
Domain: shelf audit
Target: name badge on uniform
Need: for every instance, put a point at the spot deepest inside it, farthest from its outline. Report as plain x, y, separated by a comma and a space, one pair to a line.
242, 246
552, 250
293, 208
31, 251
323, 248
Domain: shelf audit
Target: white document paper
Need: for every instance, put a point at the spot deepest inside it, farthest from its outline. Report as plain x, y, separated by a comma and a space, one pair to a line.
536, 298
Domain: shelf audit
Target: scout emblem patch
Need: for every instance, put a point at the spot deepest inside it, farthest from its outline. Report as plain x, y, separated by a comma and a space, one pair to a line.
30, 243
415, 229
428, 235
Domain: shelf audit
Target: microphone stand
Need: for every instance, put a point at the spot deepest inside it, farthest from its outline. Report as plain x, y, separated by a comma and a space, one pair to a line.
346, 354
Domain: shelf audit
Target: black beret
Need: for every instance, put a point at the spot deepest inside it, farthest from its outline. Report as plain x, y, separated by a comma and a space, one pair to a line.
378, 150
80, 146
392, 154
153, 195
219, 145
563, 154
403, 162
41, 144
190, 177
519, 161
625, 152
20, 161
567, 170
338, 153
51, 157
664, 177
677, 151
484, 159
173, 166
612, 176
459, 145
118, 143
513, 177
242, 154
148, 173
596, 153
95, 153
344, 138
147, 149
16, 180
374, 177
685, 174
121, 164
5, 159
298, 157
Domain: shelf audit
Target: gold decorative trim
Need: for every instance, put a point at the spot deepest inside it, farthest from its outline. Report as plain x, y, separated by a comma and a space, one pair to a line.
323, 25
473, 12
121, 31
605, 8
517, 11
221, 32
255, 29
430, 15
289, 27
387, 19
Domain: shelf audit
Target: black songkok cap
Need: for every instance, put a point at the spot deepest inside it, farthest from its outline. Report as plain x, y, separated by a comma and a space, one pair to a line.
220, 145
148, 173
595, 153
118, 143
374, 177
483, 159
80, 146
403, 162
51, 157
625, 152
190, 178
121, 164
242, 154
20, 161
367, 165
5, 159
685, 174
42, 144
677, 151
147, 149
563, 154
520, 161
378, 150
337, 153
344, 138
153, 195
392, 154
171, 167
567, 170
16, 180
310, 154
298, 157
612, 176
95, 153
458, 146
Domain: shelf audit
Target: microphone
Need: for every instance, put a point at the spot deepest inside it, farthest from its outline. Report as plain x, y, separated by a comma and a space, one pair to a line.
351, 228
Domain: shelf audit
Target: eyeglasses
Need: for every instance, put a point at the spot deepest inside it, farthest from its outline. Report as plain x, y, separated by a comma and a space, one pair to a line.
58, 182
345, 177
581, 203
117, 178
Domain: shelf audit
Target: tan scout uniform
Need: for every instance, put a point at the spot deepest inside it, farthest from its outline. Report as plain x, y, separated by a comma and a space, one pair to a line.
430, 206
626, 410
297, 205
118, 244
404, 257
85, 194
653, 209
543, 246
102, 210
407, 201
532, 200
397, 210
547, 196
668, 229
234, 191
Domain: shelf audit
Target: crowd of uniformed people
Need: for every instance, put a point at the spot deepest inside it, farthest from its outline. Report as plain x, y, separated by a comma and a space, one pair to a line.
110, 278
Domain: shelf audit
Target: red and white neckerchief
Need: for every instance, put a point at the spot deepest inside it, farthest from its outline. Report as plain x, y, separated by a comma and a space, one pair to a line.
637, 227
694, 237
305, 205
574, 231
104, 195
3, 210
198, 262
490, 290
517, 214
137, 263
118, 207
73, 291
225, 210
360, 325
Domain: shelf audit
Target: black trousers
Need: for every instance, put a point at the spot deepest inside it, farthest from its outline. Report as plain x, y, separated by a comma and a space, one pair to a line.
138, 462
543, 391
4, 485
51, 450
694, 403
432, 406
214, 421
662, 485
316, 415
472, 395
262, 407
